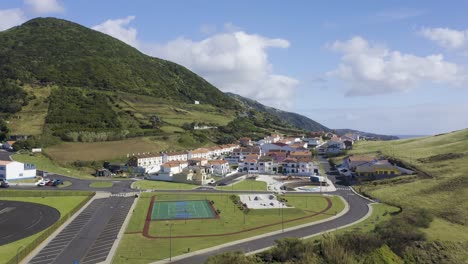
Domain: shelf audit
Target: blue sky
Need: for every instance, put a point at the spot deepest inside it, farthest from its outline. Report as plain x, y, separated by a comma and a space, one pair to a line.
394, 67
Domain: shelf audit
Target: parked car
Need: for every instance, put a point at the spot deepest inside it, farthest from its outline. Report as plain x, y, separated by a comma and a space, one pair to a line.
57, 182
40, 183
49, 183
4, 184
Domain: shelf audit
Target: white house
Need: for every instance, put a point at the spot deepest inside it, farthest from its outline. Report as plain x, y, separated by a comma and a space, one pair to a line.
175, 156
299, 167
275, 146
199, 153
242, 153
248, 165
13, 170
219, 167
267, 165
168, 169
150, 162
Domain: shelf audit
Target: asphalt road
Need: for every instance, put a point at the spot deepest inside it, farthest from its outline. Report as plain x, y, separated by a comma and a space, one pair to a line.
358, 209
21, 219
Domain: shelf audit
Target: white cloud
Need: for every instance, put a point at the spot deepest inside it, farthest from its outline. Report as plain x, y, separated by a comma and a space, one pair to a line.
371, 69
44, 6
421, 119
234, 62
120, 29
448, 38
10, 18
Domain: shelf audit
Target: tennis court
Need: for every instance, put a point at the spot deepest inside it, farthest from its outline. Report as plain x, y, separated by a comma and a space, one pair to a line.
178, 210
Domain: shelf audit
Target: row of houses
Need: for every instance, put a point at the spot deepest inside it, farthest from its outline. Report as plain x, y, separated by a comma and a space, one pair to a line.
153, 162
298, 163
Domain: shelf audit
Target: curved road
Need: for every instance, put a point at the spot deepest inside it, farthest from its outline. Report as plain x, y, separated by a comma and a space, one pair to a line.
358, 208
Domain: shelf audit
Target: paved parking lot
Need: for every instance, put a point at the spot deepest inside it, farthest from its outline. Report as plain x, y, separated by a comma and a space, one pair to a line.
56, 247
103, 244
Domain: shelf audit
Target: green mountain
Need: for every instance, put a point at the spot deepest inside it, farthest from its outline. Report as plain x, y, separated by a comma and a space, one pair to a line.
55, 51
73, 83
293, 119
344, 131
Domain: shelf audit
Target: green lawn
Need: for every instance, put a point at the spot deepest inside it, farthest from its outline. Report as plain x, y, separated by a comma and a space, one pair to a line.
45, 164
64, 204
101, 184
162, 185
135, 248
245, 185
445, 159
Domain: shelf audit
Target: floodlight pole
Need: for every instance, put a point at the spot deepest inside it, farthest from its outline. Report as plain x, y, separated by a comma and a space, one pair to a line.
170, 241
282, 218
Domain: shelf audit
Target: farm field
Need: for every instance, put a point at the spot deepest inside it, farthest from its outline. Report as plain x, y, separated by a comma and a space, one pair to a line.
245, 185
445, 159
64, 204
231, 220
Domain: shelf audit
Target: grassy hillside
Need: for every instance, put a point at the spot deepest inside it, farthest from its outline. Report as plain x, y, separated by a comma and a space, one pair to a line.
293, 119
50, 50
443, 186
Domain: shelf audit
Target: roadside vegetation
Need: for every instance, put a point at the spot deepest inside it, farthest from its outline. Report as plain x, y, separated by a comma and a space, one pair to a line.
66, 202
398, 239
135, 248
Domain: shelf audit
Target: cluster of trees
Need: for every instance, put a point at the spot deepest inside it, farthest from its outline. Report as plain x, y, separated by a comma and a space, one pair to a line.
12, 98
95, 136
394, 241
3, 130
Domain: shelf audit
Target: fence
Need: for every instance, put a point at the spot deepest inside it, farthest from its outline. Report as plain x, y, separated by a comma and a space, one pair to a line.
36, 242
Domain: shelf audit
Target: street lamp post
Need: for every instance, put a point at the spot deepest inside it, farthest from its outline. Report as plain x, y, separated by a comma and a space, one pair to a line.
170, 240
282, 218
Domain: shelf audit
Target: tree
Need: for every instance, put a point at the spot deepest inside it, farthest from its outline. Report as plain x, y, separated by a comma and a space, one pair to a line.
237, 257
156, 122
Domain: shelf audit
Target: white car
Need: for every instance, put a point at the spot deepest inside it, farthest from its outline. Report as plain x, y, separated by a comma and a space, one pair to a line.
40, 183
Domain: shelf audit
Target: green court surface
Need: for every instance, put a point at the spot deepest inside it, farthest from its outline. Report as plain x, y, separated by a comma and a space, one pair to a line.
179, 210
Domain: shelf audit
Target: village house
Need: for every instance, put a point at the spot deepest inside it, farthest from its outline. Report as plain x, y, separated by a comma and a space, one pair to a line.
267, 164
351, 162
199, 153
249, 164
193, 174
175, 156
377, 170
168, 169
245, 142
241, 153
150, 162
218, 167
299, 167
13, 170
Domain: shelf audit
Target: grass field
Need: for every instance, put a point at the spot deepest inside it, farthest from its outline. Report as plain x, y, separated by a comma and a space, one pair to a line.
161, 185
111, 150
101, 184
30, 120
64, 204
245, 185
135, 248
445, 159
45, 164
